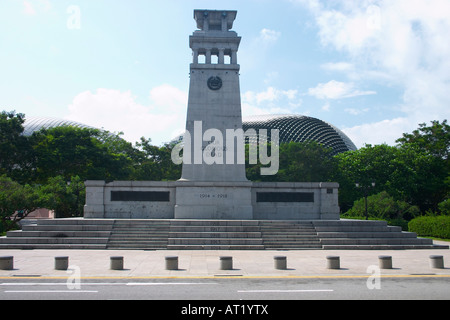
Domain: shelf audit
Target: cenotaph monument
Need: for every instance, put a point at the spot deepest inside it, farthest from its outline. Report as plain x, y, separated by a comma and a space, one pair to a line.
213, 183
214, 170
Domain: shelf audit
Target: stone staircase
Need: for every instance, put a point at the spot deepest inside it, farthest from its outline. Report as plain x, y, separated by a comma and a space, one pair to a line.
368, 235
289, 235
118, 234
60, 234
215, 235
139, 235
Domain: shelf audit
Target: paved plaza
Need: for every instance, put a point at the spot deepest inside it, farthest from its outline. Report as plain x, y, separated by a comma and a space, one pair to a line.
206, 264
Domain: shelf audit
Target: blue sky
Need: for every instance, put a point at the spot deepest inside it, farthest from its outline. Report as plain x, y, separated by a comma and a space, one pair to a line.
373, 68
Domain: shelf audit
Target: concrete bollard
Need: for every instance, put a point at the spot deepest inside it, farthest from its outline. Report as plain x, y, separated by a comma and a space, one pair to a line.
437, 262
280, 262
333, 262
116, 263
226, 263
61, 263
171, 263
7, 263
385, 262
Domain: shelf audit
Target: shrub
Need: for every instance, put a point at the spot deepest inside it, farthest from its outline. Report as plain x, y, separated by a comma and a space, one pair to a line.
427, 226
444, 207
382, 206
400, 223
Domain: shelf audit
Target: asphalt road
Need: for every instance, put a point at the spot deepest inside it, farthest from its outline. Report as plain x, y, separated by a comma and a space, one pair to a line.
412, 287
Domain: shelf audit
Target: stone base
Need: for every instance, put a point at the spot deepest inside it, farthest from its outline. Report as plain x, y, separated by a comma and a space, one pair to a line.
212, 200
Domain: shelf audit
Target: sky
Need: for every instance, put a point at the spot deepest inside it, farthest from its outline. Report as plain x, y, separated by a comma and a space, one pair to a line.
373, 68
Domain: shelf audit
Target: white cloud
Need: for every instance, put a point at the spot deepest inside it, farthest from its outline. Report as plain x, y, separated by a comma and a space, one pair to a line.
356, 112
326, 107
386, 131
270, 95
402, 43
338, 66
32, 7
28, 8
118, 111
169, 97
269, 36
269, 102
336, 90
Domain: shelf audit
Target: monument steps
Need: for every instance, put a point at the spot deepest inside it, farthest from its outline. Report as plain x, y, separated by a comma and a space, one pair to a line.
212, 235
59, 234
53, 246
215, 247
293, 235
215, 241
215, 235
139, 235
368, 235
180, 229
231, 234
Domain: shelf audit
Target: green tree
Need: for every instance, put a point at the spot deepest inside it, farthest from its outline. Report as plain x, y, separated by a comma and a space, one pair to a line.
366, 165
444, 207
17, 202
14, 147
66, 198
154, 163
431, 146
70, 151
306, 161
406, 172
433, 139
299, 161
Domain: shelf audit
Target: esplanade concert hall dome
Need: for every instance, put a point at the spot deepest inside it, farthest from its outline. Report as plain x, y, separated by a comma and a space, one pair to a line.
34, 124
298, 128
292, 128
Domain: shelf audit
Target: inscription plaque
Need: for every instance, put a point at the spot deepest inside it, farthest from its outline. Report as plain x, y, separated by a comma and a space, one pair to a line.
149, 196
284, 197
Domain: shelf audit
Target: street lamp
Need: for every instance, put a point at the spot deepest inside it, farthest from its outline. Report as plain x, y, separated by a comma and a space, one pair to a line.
365, 189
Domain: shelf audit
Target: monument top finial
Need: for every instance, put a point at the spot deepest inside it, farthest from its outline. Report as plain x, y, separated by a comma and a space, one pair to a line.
215, 20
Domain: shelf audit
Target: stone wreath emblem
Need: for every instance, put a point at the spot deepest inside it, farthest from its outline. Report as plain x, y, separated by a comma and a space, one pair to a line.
214, 83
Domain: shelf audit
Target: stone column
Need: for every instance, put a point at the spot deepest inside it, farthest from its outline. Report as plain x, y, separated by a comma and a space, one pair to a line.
195, 54
224, 22
206, 22
233, 56
221, 55
208, 56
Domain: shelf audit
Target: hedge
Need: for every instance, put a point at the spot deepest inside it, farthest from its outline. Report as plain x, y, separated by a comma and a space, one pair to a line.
429, 226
